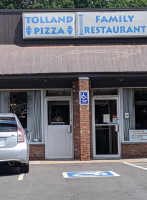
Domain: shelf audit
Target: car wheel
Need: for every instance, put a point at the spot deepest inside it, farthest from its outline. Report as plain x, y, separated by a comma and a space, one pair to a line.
24, 168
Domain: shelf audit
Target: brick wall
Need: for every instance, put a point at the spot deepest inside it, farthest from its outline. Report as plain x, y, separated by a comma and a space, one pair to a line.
137, 150
37, 152
76, 119
81, 121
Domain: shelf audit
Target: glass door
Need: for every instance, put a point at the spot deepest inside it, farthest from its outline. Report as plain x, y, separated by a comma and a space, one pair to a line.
59, 131
106, 127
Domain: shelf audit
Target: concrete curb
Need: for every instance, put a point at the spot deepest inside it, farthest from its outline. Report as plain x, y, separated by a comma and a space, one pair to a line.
52, 162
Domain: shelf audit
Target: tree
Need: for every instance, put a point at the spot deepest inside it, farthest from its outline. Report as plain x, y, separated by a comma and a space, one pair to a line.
98, 3
15, 4
56, 4
137, 4
53, 4
117, 4
126, 3
83, 3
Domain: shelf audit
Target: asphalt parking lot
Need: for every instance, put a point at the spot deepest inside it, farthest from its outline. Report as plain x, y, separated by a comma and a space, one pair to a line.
45, 181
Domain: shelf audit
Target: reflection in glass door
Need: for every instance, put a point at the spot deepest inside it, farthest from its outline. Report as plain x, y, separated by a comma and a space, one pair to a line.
106, 127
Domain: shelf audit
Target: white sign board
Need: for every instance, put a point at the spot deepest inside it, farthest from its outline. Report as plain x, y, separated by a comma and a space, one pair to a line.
48, 25
127, 115
84, 24
106, 118
111, 24
137, 135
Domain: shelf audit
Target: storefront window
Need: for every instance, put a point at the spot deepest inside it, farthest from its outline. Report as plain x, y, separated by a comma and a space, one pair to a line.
141, 108
58, 92
107, 91
58, 113
27, 106
18, 105
135, 114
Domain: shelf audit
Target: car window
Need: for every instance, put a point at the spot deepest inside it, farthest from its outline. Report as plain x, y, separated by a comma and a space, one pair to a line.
8, 124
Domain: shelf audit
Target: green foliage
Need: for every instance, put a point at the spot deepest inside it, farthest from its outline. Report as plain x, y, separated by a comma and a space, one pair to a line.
137, 4
99, 3
57, 4
2, 6
117, 4
10, 6
126, 3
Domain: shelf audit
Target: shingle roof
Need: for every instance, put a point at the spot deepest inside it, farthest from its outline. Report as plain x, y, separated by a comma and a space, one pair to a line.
55, 59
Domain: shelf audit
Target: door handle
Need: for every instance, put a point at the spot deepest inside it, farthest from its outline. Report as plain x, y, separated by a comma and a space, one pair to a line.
69, 129
116, 127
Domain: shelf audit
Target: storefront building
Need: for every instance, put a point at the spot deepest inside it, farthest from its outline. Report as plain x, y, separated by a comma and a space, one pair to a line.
77, 80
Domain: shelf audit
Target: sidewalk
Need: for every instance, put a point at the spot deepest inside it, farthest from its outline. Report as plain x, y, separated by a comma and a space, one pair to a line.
50, 162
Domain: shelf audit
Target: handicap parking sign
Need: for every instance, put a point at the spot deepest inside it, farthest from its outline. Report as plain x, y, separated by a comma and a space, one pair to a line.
84, 97
89, 174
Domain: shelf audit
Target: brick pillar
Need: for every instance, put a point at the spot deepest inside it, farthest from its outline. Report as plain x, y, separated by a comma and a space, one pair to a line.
76, 119
81, 121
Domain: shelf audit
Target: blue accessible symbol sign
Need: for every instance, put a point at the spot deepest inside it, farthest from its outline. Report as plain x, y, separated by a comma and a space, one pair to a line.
89, 174
84, 97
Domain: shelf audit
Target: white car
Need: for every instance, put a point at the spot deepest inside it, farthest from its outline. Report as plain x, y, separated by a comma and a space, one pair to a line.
14, 147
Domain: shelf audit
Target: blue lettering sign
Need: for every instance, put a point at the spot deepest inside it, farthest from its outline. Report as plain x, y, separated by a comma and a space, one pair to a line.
28, 19
143, 28
41, 30
54, 30
103, 29
129, 30
86, 30
92, 29
131, 18
122, 29
113, 19
69, 19
91, 25
47, 20
61, 19
60, 31
35, 20
97, 29
36, 30
120, 18
53, 20
41, 20
81, 25
108, 30
97, 18
136, 29
104, 19
116, 29
124, 19
47, 30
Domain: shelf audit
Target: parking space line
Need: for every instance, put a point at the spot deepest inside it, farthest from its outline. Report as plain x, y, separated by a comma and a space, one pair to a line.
135, 165
21, 176
65, 174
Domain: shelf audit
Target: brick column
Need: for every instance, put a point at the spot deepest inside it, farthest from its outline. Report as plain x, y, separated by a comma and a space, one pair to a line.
76, 119
81, 121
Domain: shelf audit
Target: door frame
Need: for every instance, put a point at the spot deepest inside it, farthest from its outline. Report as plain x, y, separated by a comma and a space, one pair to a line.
60, 98
105, 97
